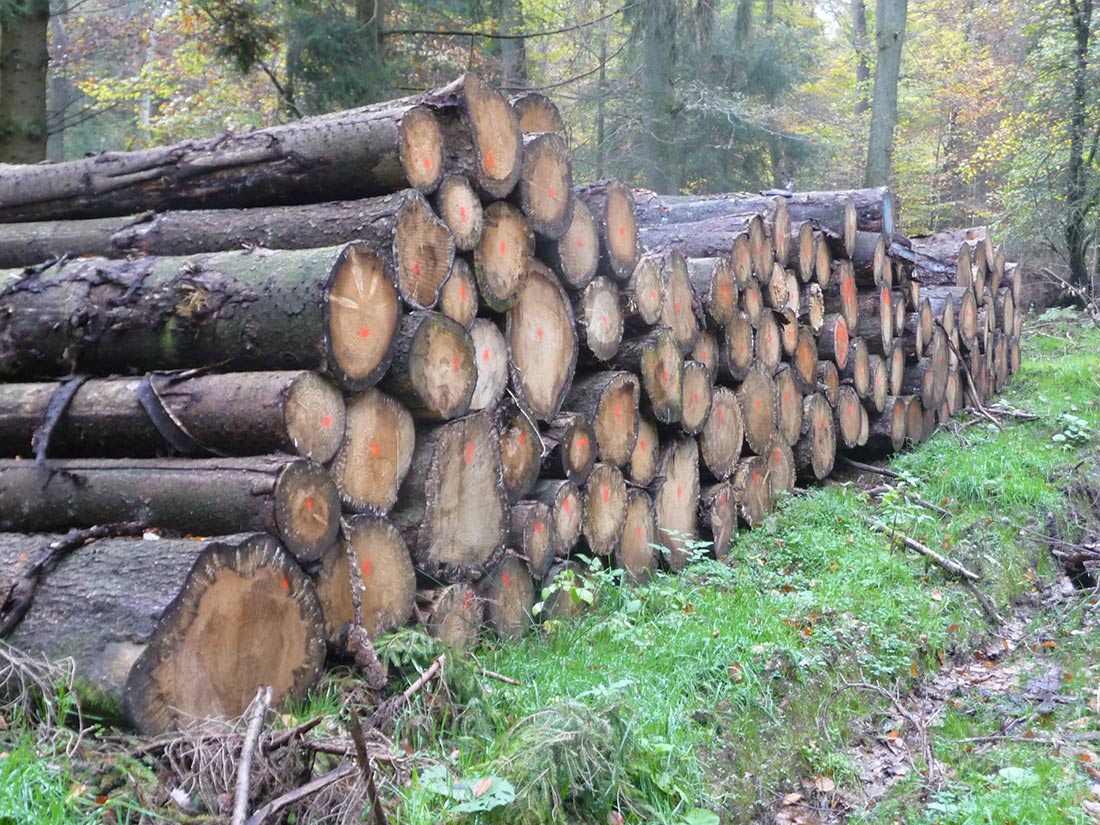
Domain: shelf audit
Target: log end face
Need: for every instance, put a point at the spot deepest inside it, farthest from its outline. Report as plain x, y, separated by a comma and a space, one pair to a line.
456, 617
247, 617
676, 501
698, 391
361, 316
376, 452
723, 434
497, 138
604, 508
579, 247
636, 554
546, 184
307, 509
442, 370
622, 230
502, 255
458, 298
314, 414
603, 318
424, 250
519, 454
542, 340
616, 423
421, 149
509, 596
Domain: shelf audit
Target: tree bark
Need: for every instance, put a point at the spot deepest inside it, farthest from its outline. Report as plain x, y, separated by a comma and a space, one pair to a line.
862, 46
290, 497
889, 38
658, 31
24, 61
249, 413
300, 309
147, 624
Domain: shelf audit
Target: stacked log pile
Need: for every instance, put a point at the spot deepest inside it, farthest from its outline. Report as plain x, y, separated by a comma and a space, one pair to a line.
427, 399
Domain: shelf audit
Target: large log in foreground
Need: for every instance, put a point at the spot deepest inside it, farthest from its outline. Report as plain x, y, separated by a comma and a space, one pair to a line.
168, 633
302, 309
373, 150
290, 497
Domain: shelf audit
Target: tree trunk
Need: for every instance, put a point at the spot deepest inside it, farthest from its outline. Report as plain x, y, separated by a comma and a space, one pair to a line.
542, 343
60, 92
1077, 206
862, 47
290, 497
714, 238
248, 413
375, 454
452, 507
24, 63
658, 33
889, 38
241, 310
163, 633
513, 50
386, 580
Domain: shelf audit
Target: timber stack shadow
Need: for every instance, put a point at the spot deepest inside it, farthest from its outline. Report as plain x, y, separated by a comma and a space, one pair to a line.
400, 349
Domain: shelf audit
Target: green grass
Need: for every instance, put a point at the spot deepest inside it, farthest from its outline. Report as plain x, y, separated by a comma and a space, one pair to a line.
34, 789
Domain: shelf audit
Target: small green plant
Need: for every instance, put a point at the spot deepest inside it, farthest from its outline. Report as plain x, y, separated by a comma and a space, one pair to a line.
1072, 430
579, 586
468, 796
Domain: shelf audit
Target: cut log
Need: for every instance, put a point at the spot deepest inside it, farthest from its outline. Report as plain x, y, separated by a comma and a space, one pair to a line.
675, 500
240, 310
679, 313
869, 260
804, 362
657, 210
460, 208
857, 371
386, 578
713, 280
560, 586
788, 405
575, 256
290, 497
794, 293
769, 343
520, 450
773, 286
249, 413
828, 382
713, 238
604, 509
876, 210
833, 211
1005, 307
823, 261
788, 332
454, 615
718, 517
375, 454
815, 451
847, 416
879, 389
842, 296
811, 307
612, 206
508, 595
570, 448
434, 369
599, 318
876, 319
542, 343
738, 347
833, 341
644, 295
491, 358
545, 190
531, 534
636, 554
800, 257
705, 352
697, 392
1014, 279
609, 400
896, 368
923, 379
781, 472
752, 490
452, 506
752, 301
373, 150
647, 450
163, 633
914, 420
756, 395
537, 113
723, 434
423, 250
656, 359
458, 298
566, 508
887, 430
502, 255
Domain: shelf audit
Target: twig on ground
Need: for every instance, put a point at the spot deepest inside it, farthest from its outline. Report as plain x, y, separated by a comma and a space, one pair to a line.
363, 758
970, 381
500, 677
920, 502
1000, 409
1066, 739
869, 468
388, 708
298, 794
258, 712
949, 565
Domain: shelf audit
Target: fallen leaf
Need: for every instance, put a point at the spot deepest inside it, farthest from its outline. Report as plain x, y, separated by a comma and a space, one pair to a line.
615, 818
913, 669
481, 787
954, 628
1085, 757
1050, 644
892, 734
937, 594
736, 672
824, 784
792, 799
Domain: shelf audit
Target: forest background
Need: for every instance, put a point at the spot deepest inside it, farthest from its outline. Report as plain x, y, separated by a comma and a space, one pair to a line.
998, 104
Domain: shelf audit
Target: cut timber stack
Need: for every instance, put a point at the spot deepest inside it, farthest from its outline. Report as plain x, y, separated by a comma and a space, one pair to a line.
427, 398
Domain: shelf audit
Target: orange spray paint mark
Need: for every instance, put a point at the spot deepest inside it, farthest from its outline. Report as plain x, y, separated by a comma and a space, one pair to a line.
427, 163
505, 580
366, 567
538, 527
462, 291
503, 247
755, 475
364, 332
676, 307
618, 413
309, 502
757, 404
326, 421
580, 243
286, 583
416, 267
642, 443
538, 333
639, 533
679, 491
454, 362
522, 438
605, 321
374, 449
550, 193
582, 441
622, 231
723, 499
462, 213
469, 451
485, 355
606, 494
489, 162
568, 505
653, 294
719, 415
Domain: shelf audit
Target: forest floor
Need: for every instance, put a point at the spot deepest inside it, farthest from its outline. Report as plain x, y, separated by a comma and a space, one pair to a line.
821, 674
